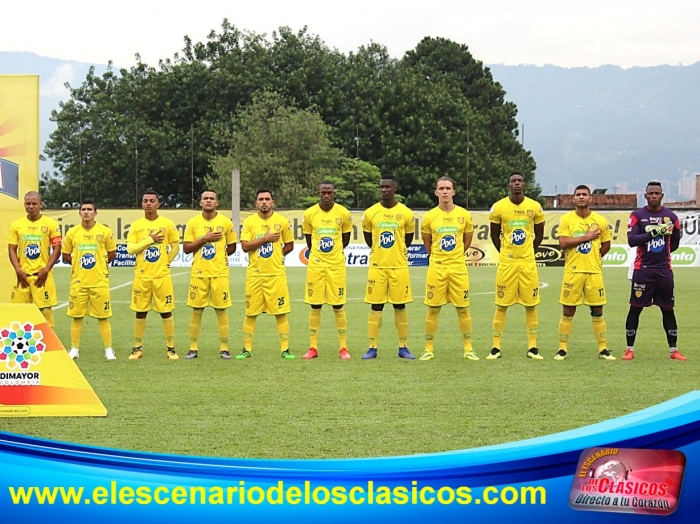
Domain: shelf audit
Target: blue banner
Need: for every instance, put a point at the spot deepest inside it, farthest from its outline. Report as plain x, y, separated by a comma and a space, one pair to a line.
530, 480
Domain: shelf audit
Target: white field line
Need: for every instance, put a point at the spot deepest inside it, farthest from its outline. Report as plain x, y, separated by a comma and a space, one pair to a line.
65, 304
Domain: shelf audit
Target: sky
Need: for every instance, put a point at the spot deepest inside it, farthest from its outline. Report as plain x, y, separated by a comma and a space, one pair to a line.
567, 33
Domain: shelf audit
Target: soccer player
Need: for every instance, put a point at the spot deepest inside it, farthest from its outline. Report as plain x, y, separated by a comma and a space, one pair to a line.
267, 238
34, 246
447, 232
327, 227
585, 238
388, 229
517, 229
155, 242
656, 232
211, 237
89, 248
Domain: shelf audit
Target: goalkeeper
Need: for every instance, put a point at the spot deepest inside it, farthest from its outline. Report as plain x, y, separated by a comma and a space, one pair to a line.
656, 232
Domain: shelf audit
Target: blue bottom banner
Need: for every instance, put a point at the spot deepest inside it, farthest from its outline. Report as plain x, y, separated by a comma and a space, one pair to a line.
645, 463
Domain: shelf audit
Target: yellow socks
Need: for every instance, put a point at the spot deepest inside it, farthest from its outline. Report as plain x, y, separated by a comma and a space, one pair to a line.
431, 325
105, 329
48, 315
531, 324
195, 327
341, 324
599, 330
169, 329
283, 331
248, 332
139, 331
222, 326
401, 322
465, 327
314, 326
76, 332
566, 325
499, 324
373, 325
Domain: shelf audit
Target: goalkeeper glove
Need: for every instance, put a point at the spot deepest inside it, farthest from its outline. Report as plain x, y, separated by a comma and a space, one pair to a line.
666, 228
653, 229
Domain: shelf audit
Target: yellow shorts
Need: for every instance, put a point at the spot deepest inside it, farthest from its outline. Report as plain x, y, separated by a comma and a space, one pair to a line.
266, 294
517, 284
325, 285
388, 285
43, 297
152, 293
209, 291
96, 297
582, 288
443, 285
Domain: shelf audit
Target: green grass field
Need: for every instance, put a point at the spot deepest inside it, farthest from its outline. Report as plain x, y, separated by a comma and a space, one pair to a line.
268, 407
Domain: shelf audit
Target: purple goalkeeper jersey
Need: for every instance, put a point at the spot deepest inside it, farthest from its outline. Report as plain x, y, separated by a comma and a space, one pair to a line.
652, 253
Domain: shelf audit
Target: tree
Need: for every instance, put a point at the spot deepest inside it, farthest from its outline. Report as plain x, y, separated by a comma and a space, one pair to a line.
276, 147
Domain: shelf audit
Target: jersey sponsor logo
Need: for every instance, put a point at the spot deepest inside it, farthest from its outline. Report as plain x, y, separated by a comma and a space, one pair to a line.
388, 225
518, 223
517, 237
265, 251
585, 247
442, 230
656, 245
152, 254
325, 245
448, 243
32, 251
88, 260
208, 251
387, 239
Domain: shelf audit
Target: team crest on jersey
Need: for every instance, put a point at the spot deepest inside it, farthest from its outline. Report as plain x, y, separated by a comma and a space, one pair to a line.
339, 221
638, 294
369, 290
44, 229
460, 220
99, 238
567, 292
530, 213
501, 294
399, 217
220, 229
430, 294
278, 227
310, 292
193, 295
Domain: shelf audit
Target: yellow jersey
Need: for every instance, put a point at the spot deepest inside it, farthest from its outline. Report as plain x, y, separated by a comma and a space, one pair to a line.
389, 227
152, 262
326, 229
584, 258
34, 240
88, 249
517, 228
447, 235
211, 259
268, 259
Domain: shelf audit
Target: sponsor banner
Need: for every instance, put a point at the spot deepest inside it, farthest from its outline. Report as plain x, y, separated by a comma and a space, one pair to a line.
37, 377
640, 456
19, 158
623, 256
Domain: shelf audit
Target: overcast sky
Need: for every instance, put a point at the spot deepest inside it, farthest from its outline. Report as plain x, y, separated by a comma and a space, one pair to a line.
567, 33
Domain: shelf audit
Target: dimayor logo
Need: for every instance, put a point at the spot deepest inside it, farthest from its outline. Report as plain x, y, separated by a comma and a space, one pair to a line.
208, 251
517, 237
265, 251
87, 261
21, 346
32, 251
387, 239
9, 178
325, 245
152, 254
617, 256
447, 243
